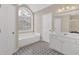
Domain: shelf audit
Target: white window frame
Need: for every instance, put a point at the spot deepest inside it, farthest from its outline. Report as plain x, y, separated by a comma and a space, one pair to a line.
32, 20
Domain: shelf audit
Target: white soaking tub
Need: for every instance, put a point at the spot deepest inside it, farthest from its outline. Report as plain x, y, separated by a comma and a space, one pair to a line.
28, 38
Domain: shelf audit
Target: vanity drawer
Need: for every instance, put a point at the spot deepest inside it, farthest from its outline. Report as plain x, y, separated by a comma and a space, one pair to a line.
52, 36
56, 44
77, 41
70, 48
65, 39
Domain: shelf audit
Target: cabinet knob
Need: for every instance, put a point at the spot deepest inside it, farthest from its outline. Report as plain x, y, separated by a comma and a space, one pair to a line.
0, 30
13, 32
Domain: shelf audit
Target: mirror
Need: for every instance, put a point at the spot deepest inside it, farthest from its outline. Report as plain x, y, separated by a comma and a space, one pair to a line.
66, 22
74, 24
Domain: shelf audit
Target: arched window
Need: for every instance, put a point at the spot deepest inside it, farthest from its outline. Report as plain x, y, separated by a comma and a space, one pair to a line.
25, 19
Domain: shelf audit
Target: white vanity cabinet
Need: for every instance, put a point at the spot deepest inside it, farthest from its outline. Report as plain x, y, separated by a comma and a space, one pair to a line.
63, 44
70, 48
55, 43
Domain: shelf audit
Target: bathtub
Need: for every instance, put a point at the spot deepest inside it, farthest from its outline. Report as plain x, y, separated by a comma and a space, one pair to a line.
28, 38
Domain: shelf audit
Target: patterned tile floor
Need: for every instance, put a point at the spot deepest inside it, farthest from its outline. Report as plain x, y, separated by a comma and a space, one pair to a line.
38, 48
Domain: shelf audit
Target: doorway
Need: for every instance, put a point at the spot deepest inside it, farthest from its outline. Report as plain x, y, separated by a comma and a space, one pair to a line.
46, 26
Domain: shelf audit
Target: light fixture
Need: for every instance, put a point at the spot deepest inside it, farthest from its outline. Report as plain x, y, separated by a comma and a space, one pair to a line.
67, 8
73, 7
63, 8
59, 10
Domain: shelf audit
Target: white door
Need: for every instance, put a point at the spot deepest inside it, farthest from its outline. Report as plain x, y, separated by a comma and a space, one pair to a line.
57, 24
7, 29
46, 26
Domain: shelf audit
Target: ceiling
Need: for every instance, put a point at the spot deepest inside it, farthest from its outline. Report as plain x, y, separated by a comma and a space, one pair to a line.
38, 7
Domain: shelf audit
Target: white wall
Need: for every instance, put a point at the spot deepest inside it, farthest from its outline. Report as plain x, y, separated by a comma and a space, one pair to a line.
57, 24
37, 23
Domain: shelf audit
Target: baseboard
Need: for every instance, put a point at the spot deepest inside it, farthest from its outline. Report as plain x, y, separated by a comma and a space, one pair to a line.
15, 51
